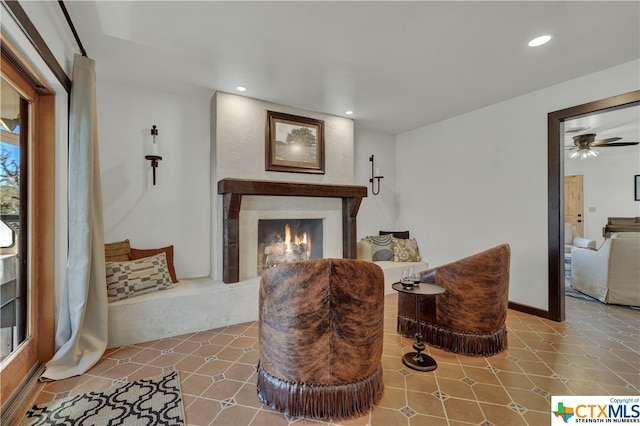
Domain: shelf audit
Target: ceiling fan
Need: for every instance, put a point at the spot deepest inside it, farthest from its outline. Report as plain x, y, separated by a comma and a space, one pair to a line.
584, 143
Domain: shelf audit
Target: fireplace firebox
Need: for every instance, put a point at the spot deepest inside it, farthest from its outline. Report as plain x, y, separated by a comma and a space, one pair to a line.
288, 240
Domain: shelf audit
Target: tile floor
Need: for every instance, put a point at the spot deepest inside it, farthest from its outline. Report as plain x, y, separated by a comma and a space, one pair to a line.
596, 351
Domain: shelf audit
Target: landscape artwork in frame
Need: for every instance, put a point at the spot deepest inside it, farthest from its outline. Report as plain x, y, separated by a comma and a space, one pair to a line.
294, 143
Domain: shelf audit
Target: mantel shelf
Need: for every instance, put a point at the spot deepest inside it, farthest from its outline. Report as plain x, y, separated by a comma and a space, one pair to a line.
263, 187
232, 191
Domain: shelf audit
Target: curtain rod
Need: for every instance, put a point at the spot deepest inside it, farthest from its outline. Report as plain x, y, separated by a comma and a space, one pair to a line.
73, 28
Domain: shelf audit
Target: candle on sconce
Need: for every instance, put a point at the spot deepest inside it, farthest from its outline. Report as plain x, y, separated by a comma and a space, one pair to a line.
152, 153
377, 171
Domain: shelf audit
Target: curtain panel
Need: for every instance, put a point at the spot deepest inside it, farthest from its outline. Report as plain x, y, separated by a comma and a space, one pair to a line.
81, 335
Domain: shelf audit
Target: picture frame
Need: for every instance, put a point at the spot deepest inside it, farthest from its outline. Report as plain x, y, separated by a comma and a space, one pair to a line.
294, 143
637, 187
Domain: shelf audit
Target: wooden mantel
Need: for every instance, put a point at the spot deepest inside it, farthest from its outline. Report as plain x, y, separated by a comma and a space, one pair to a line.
232, 191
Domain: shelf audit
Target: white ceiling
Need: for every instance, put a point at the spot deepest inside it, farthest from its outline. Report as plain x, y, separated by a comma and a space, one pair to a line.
397, 65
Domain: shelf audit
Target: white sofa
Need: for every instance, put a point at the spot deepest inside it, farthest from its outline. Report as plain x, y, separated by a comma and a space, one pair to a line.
610, 274
572, 239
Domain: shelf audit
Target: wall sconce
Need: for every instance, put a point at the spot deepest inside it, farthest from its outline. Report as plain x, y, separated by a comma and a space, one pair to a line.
152, 152
375, 176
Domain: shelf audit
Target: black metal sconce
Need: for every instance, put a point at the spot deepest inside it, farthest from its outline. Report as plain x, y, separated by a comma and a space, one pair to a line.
375, 176
153, 152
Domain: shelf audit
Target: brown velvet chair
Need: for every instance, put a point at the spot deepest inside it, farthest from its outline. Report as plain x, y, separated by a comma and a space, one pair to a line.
469, 318
320, 331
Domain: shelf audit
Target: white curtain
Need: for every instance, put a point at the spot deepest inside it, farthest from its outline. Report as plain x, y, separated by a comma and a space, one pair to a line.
81, 336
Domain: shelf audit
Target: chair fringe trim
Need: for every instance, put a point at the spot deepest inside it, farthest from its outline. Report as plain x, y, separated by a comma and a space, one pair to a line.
456, 341
320, 400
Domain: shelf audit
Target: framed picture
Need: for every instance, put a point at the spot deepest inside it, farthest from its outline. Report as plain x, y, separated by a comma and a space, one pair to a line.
294, 143
637, 187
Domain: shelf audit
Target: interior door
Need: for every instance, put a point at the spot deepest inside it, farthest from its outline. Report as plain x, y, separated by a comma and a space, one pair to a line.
573, 202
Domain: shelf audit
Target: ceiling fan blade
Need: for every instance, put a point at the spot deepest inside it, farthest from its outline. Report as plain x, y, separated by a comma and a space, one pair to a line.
617, 144
603, 142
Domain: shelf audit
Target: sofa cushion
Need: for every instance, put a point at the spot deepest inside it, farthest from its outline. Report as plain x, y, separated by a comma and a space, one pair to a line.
405, 250
168, 252
131, 278
117, 251
381, 247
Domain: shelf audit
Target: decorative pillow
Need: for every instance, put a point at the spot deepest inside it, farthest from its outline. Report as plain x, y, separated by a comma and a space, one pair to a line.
381, 247
117, 252
396, 234
136, 277
405, 250
168, 252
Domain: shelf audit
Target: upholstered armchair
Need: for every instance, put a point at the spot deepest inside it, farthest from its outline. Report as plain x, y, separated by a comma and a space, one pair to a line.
610, 274
321, 331
469, 318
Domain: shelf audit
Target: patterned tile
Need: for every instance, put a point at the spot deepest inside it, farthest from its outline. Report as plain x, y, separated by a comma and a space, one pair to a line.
230, 402
517, 408
594, 350
407, 411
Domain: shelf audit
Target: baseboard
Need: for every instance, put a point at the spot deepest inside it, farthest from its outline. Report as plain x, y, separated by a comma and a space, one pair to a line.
19, 399
529, 310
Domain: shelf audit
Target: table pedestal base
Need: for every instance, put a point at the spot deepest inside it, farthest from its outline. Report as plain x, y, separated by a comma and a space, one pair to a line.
419, 361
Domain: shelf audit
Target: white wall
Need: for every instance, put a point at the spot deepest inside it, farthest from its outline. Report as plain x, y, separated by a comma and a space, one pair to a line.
238, 151
177, 209
480, 179
607, 188
377, 212
240, 142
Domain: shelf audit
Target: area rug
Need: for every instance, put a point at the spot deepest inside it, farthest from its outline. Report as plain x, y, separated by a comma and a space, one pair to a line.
153, 401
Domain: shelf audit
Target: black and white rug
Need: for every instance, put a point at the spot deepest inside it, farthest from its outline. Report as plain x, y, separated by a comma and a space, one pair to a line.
153, 401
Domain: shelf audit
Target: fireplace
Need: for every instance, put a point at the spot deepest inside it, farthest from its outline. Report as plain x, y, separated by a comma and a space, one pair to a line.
337, 205
288, 240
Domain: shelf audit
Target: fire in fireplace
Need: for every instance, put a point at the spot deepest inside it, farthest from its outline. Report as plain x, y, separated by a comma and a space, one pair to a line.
288, 240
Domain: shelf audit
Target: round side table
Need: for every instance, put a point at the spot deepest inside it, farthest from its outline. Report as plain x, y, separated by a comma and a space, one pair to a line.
417, 360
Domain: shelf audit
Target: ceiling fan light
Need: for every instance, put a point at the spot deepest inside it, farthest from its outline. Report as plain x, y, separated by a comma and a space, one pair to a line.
574, 155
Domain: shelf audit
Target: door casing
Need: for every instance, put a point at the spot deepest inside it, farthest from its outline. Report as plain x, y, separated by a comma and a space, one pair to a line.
555, 191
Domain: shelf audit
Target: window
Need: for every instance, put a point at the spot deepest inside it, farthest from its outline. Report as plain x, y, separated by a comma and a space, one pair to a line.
27, 135
14, 303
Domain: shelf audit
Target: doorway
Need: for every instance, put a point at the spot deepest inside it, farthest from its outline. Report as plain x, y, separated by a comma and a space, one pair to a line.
555, 191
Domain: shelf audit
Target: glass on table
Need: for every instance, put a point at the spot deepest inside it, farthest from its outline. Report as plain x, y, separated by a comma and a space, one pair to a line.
407, 277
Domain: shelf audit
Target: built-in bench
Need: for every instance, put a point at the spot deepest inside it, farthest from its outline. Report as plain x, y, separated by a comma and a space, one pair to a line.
199, 304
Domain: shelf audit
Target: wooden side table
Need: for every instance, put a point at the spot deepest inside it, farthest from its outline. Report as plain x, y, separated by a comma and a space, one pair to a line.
417, 360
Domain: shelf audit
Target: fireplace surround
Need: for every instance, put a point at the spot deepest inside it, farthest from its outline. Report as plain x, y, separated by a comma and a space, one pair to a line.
232, 191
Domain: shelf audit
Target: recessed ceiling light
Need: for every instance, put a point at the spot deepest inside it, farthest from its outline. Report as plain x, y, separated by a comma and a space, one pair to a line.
539, 41
349, 112
241, 89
